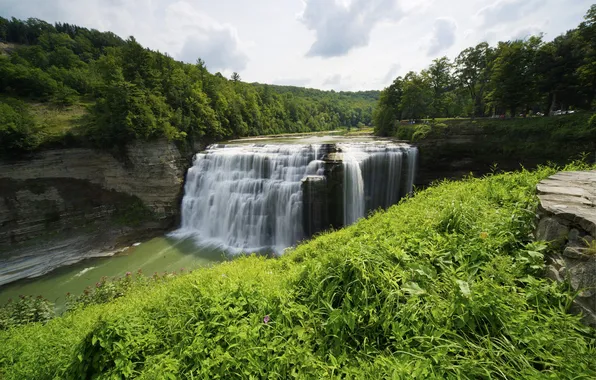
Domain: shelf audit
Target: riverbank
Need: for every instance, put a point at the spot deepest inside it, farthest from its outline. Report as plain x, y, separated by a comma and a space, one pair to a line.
445, 284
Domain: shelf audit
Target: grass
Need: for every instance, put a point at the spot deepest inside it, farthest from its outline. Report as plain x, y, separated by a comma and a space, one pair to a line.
446, 284
57, 121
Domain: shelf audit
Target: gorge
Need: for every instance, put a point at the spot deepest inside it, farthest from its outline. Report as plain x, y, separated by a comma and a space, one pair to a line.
78, 205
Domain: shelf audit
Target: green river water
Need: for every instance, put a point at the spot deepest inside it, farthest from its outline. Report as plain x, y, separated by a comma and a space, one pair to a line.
157, 255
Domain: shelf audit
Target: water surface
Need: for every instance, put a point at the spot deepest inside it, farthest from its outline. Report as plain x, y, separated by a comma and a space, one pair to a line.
157, 255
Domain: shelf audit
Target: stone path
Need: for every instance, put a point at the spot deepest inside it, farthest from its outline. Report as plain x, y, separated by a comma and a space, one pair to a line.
568, 221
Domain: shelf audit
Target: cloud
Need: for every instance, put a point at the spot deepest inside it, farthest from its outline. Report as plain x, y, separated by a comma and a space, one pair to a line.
443, 36
217, 44
525, 33
507, 11
300, 82
341, 27
391, 74
332, 80
217, 47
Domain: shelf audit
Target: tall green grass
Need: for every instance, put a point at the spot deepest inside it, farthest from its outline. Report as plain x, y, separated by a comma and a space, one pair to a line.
446, 284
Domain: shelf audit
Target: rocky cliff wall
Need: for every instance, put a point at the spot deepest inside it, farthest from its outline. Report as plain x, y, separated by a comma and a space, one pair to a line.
61, 206
457, 148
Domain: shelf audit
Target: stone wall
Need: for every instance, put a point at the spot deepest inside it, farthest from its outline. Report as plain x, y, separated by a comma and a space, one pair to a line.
568, 220
61, 206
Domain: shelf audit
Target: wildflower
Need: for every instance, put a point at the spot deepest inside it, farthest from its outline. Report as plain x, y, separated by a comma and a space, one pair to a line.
128, 274
483, 235
98, 284
266, 319
140, 271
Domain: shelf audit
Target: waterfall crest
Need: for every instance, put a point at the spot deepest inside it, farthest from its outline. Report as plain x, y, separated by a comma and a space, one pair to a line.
249, 198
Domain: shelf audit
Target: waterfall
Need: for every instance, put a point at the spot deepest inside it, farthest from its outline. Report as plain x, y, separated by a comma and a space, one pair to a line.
372, 177
249, 198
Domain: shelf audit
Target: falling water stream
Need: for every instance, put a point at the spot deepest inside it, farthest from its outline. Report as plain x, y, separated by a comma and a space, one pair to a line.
248, 198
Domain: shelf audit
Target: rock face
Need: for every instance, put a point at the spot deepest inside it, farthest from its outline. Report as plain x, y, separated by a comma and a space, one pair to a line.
568, 220
461, 147
60, 206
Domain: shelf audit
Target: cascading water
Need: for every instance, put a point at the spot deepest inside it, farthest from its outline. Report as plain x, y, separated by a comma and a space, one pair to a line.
249, 198
373, 177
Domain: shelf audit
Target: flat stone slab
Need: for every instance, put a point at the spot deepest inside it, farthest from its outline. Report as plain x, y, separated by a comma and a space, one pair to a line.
570, 196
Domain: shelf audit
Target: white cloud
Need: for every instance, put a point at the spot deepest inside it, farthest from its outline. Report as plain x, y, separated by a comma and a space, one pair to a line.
341, 27
301, 82
217, 44
526, 32
391, 74
508, 11
333, 80
443, 36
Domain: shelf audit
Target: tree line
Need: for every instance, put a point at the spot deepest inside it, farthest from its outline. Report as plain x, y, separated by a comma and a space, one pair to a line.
520, 77
137, 93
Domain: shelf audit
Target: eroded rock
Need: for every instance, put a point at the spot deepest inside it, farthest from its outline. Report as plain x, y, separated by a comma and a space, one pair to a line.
567, 215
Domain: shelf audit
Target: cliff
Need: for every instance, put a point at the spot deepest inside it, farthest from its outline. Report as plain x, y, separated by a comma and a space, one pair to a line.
61, 206
455, 148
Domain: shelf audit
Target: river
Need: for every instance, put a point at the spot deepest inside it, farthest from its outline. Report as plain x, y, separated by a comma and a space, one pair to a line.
157, 255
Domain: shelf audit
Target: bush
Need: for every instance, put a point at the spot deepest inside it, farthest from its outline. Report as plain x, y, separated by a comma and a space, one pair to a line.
18, 132
24, 311
592, 122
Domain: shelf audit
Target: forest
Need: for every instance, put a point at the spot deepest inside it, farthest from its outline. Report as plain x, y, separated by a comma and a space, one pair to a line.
130, 92
512, 79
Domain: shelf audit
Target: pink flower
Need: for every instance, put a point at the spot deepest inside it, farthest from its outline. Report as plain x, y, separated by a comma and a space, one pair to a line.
266, 319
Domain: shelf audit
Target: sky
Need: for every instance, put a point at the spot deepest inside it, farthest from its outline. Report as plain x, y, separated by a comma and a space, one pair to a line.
327, 44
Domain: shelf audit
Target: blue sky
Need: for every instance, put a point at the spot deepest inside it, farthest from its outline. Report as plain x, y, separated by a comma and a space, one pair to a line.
328, 44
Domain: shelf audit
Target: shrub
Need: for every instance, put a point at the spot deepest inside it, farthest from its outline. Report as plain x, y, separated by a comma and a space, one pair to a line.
25, 310
17, 128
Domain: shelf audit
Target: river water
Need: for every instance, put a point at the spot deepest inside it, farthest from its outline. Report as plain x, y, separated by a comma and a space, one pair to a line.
157, 255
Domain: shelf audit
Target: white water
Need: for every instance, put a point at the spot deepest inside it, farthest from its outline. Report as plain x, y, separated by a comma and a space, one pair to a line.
373, 177
248, 198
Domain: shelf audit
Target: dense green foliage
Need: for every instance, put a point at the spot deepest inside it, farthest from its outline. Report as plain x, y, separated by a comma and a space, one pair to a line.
524, 76
138, 93
446, 284
25, 310
17, 127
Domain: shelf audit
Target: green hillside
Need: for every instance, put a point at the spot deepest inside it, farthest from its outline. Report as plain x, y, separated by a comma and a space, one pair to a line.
103, 91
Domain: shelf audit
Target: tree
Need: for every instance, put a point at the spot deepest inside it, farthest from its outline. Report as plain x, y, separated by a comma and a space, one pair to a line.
587, 71
235, 77
389, 108
473, 71
439, 79
416, 97
17, 128
556, 64
514, 74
